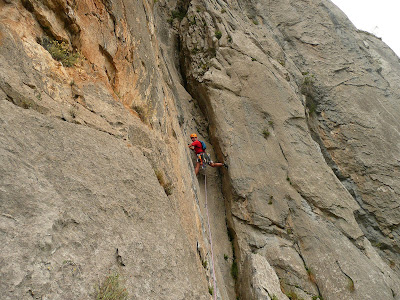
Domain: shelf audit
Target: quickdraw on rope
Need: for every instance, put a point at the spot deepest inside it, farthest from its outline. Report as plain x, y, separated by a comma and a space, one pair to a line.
209, 230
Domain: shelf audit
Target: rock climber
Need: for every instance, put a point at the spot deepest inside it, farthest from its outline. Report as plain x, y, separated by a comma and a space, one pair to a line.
202, 156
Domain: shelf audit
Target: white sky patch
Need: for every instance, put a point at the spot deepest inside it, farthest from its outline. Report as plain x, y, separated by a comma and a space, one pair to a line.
378, 17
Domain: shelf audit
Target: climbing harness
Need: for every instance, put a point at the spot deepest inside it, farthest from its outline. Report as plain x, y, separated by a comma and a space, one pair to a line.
209, 230
200, 159
204, 159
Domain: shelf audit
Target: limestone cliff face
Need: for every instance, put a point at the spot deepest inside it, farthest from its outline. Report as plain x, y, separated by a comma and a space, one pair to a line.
81, 151
302, 106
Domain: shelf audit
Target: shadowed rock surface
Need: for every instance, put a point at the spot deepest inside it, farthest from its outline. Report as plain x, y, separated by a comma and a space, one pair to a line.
302, 106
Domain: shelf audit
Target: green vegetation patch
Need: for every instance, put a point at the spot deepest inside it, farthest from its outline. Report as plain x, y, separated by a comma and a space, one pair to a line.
61, 52
350, 284
234, 270
293, 296
205, 264
266, 133
178, 14
111, 289
211, 290
307, 86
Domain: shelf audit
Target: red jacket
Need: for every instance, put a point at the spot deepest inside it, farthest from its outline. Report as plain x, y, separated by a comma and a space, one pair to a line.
197, 147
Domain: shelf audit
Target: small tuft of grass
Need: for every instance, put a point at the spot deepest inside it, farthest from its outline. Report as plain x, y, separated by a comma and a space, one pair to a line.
204, 67
218, 34
293, 296
211, 290
270, 199
226, 257
266, 133
195, 50
204, 263
255, 22
274, 297
38, 95
111, 289
192, 21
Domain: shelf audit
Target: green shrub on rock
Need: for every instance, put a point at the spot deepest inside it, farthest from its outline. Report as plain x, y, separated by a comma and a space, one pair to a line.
61, 52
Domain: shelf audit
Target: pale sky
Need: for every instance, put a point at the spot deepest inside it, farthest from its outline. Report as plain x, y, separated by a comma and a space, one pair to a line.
380, 17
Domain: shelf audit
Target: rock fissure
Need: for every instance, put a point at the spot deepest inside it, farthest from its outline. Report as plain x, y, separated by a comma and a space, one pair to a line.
351, 282
308, 269
300, 288
363, 85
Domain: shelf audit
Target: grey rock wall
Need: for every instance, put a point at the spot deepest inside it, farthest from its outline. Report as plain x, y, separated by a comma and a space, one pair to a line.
72, 215
304, 107
77, 205
300, 104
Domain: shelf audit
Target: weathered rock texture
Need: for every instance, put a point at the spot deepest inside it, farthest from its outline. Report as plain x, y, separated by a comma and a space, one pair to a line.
70, 215
302, 106
78, 204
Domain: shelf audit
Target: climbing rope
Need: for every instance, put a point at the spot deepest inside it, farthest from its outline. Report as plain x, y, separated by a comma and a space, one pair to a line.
209, 230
